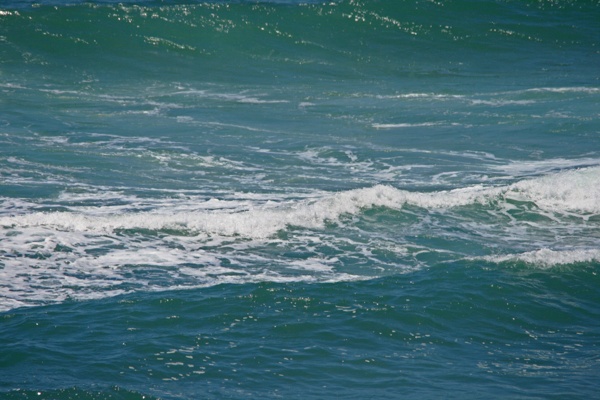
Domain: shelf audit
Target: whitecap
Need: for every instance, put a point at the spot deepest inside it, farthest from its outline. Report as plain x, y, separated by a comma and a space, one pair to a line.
546, 258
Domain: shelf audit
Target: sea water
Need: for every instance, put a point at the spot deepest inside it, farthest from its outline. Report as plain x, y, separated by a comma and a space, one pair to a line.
286, 199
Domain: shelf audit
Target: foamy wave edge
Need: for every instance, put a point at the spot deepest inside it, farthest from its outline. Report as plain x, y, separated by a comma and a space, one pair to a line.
575, 192
547, 258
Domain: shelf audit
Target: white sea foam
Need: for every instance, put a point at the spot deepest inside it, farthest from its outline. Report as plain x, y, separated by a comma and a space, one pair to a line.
415, 125
255, 100
192, 241
568, 89
259, 221
546, 258
501, 102
405, 125
242, 97
538, 167
41, 265
569, 192
334, 158
50, 275
493, 99
427, 96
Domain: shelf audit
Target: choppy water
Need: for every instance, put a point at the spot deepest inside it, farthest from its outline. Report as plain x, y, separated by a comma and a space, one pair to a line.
386, 199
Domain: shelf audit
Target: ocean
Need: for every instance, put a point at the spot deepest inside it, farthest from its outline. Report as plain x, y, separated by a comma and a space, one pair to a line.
299, 199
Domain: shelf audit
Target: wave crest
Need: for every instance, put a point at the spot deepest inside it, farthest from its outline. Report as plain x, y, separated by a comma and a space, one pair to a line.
575, 192
546, 258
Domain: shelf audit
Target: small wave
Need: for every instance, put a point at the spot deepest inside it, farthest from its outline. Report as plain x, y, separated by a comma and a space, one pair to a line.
537, 167
427, 96
567, 191
546, 258
500, 103
405, 125
574, 89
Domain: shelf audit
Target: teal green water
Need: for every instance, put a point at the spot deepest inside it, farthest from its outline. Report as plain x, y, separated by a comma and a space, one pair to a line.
282, 199
509, 333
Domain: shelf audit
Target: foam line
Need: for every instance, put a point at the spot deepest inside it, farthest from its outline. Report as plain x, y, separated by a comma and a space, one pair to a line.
576, 191
546, 258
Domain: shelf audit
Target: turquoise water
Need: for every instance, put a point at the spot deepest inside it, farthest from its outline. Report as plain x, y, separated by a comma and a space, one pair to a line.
283, 199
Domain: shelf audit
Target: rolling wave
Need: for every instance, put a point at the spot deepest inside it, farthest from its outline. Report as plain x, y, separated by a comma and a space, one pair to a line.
98, 251
574, 192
